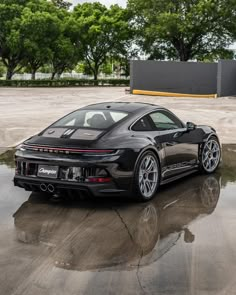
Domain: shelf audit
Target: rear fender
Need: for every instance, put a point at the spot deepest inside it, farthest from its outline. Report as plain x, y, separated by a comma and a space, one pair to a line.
160, 156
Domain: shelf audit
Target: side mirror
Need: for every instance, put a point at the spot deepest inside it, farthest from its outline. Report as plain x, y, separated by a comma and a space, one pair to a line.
190, 126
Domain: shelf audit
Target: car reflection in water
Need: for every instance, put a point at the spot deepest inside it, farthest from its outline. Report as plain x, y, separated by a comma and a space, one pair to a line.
90, 235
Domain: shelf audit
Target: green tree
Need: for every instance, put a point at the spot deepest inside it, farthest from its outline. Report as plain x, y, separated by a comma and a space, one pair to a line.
107, 67
183, 29
28, 32
100, 30
124, 54
125, 50
11, 39
64, 56
27, 27
217, 54
2, 69
82, 68
62, 4
65, 51
38, 46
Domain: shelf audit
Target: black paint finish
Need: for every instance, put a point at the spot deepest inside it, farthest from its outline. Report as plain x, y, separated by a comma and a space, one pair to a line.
113, 153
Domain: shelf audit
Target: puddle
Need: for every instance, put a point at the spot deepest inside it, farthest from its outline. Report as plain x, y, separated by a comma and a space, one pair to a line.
181, 242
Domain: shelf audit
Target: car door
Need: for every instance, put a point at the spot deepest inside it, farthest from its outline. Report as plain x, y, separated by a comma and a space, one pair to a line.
181, 151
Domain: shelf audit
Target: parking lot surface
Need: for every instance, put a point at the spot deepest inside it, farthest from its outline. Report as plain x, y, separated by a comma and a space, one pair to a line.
181, 242
24, 112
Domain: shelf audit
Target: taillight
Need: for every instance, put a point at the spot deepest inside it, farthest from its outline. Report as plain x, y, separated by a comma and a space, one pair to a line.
20, 147
48, 149
98, 179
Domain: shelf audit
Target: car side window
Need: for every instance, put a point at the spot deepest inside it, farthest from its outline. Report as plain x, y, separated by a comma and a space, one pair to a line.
142, 124
165, 121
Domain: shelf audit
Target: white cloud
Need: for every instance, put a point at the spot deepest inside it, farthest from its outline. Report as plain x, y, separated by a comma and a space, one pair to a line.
105, 2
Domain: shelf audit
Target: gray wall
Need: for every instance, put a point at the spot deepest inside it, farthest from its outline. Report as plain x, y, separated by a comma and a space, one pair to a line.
226, 78
168, 76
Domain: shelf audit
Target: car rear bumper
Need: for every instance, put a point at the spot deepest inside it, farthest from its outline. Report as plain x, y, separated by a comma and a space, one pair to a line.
118, 169
98, 190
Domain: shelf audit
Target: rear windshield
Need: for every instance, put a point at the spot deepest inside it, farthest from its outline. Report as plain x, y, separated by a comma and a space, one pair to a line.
101, 119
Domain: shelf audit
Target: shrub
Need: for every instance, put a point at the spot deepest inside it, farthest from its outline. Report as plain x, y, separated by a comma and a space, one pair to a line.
63, 83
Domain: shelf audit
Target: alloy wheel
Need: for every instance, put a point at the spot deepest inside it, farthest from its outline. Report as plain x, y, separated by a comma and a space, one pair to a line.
148, 176
211, 155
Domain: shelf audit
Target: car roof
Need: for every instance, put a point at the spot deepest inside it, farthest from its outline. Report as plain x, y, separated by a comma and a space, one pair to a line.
130, 107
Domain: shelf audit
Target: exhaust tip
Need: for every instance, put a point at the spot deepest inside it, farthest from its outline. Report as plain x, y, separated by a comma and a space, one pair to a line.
43, 187
51, 188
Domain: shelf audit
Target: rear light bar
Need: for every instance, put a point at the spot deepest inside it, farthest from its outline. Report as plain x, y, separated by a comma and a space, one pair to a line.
65, 150
98, 179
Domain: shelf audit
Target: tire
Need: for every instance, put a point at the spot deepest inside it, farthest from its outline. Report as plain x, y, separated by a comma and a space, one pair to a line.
210, 156
146, 177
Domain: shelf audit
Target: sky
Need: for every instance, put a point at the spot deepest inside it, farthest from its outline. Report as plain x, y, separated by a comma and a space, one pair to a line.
106, 2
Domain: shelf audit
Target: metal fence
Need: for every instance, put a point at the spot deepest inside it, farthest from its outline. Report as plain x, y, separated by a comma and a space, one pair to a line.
73, 75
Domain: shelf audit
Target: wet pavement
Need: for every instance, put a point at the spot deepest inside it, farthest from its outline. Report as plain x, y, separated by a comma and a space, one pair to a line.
181, 242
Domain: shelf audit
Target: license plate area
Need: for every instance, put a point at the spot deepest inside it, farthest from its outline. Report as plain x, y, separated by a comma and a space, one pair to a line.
48, 171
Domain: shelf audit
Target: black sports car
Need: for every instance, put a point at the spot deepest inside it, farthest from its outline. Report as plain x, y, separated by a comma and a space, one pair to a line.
116, 148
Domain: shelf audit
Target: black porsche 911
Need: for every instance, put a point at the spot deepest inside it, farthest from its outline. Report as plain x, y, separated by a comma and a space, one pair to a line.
116, 148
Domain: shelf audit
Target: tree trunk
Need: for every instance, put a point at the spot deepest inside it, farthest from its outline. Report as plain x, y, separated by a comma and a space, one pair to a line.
59, 74
95, 72
60, 71
95, 76
10, 73
183, 56
184, 53
53, 75
11, 65
184, 50
33, 74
